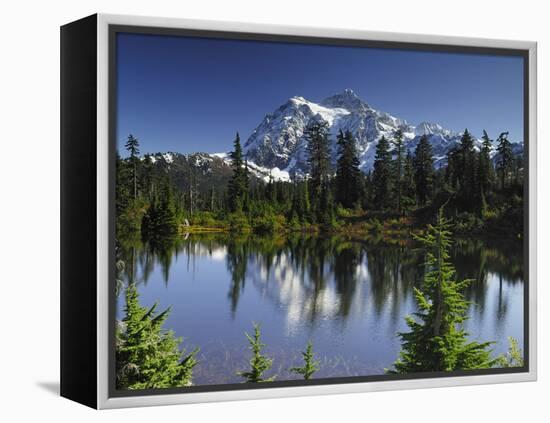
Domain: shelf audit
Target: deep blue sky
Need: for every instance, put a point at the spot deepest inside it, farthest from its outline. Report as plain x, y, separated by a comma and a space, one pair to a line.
191, 94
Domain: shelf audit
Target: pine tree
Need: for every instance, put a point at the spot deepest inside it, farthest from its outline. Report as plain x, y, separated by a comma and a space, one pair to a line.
423, 170
147, 356
123, 194
486, 170
318, 159
325, 211
514, 356
382, 175
259, 363
159, 222
132, 146
298, 208
238, 185
306, 202
466, 171
452, 170
409, 186
437, 340
348, 174
310, 366
505, 158
398, 177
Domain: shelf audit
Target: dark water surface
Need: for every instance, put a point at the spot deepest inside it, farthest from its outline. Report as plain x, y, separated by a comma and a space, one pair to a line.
348, 297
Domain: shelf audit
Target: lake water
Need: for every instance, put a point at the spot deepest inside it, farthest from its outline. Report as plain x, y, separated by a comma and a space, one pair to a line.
348, 297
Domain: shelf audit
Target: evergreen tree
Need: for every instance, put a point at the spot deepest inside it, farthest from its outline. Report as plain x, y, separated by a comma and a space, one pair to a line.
306, 202
368, 191
437, 340
147, 356
123, 194
318, 159
514, 356
259, 363
310, 366
348, 174
159, 222
505, 158
398, 177
423, 170
298, 208
382, 175
409, 186
132, 146
325, 211
452, 169
238, 185
466, 171
147, 178
486, 170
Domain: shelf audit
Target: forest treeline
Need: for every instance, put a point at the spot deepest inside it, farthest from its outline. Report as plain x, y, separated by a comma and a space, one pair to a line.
482, 193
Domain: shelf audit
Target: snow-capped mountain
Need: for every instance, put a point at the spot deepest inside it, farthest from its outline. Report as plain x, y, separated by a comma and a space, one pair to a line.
276, 149
278, 143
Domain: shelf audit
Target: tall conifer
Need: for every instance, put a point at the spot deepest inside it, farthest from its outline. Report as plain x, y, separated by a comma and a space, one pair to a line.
132, 146
318, 159
423, 170
238, 185
382, 175
348, 174
505, 158
398, 178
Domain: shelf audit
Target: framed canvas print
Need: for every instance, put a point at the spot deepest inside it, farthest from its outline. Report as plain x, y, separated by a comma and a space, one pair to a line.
254, 211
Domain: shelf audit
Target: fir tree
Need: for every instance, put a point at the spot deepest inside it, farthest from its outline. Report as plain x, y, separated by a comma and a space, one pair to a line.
348, 174
238, 185
437, 340
325, 211
398, 177
298, 209
259, 363
505, 158
486, 170
452, 170
466, 171
147, 356
132, 146
409, 186
159, 222
514, 356
423, 170
123, 193
318, 159
310, 366
382, 175
306, 202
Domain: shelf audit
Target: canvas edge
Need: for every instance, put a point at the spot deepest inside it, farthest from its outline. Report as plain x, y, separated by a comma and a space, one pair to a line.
103, 399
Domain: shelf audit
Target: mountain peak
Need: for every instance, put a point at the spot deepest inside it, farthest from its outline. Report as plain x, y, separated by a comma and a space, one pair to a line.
347, 99
298, 98
429, 128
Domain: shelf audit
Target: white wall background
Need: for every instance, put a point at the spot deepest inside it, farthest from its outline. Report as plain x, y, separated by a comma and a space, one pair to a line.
29, 209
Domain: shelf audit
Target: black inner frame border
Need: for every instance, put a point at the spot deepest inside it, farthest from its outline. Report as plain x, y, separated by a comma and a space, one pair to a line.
114, 29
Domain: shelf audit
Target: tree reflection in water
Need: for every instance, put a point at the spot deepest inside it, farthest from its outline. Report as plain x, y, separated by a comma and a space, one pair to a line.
319, 277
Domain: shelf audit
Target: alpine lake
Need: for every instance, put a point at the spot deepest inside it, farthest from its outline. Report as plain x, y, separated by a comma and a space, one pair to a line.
349, 297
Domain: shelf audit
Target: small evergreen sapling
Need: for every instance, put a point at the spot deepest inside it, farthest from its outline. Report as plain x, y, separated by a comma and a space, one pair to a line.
514, 356
146, 355
437, 340
258, 363
310, 364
